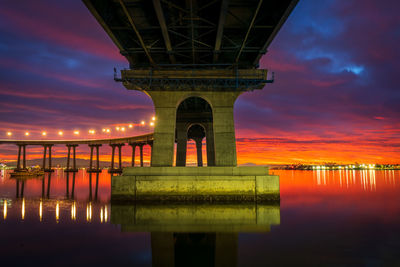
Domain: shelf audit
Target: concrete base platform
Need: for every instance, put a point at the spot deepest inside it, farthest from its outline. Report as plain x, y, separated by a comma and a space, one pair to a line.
207, 184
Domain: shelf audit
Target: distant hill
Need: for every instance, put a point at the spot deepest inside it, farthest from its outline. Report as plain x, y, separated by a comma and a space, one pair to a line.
62, 162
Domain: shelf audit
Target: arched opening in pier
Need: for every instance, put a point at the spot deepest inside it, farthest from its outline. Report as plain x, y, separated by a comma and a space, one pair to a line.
194, 121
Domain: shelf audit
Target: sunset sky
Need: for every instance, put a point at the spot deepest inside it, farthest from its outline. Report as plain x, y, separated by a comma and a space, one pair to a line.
335, 98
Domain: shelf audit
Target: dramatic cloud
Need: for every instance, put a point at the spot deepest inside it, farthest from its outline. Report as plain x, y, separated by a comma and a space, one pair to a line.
335, 97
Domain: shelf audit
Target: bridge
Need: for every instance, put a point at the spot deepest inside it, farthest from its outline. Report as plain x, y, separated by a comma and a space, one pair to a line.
193, 58
94, 144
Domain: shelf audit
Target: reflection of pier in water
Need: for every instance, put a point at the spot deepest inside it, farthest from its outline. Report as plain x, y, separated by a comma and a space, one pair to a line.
195, 235
69, 188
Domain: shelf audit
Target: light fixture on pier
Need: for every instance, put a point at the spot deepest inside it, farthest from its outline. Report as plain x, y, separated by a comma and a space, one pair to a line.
26, 133
44, 133
92, 131
9, 133
108, 130
153, 118
60, 133
130, 126
117, 128
142, 122
123, 129
104, 130
151, 123
76, 132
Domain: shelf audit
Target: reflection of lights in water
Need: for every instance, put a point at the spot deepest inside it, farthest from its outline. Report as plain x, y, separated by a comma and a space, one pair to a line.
23, 209
5, 209
89, 212
101, 215
41, 210
57, 211
73, 211
105, 214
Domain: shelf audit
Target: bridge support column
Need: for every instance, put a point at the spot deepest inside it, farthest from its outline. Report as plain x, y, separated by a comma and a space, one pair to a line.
151, 149
45, 147
21, 150
220, 131
24, 157
133, 145
199, 151
181, 146
73, 169
97, 169
119, 169
19, 158
141, 154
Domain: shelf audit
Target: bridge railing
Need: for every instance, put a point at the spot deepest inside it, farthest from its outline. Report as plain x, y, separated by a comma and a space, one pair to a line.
94, 145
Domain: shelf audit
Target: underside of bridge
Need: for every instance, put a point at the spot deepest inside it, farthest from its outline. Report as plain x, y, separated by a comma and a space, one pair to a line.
193, 58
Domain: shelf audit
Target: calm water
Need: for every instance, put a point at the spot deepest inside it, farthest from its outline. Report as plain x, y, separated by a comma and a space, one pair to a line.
324, 218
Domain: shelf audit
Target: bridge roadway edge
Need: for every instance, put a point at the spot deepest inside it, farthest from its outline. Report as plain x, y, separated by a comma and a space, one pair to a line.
195, 184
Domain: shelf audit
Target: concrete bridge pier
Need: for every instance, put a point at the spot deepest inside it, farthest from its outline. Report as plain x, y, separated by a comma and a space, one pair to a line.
45, 147
119, 169
133, 145
23, 149
183, 115
141, 153
73, 169
97, 169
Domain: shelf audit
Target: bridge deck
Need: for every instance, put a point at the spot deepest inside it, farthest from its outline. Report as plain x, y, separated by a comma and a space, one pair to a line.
135, 139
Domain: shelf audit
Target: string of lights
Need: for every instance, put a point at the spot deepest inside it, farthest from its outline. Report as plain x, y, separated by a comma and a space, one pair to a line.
120, 128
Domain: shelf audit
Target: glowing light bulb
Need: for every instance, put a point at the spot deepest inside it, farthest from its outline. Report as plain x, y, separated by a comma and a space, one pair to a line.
76, 132
130, 126
108, 130
153, 118
151, 123
44, 133
92, 131
60, 133
142, 122
117, 128
104, 130
26, 133
123, 129
9, 133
